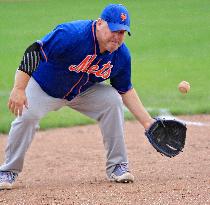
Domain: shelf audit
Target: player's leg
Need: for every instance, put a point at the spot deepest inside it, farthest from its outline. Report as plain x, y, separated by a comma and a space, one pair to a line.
23, 127
103, 103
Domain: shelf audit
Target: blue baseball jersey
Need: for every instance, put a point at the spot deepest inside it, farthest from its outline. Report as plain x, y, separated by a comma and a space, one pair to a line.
72, 62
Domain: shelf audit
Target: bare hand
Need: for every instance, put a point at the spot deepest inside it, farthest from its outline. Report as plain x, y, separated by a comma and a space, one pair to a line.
16, 101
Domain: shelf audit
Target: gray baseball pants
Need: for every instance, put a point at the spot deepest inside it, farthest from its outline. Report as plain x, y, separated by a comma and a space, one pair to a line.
100, 102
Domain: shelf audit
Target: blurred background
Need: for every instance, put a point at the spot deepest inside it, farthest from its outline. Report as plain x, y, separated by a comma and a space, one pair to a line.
170, 42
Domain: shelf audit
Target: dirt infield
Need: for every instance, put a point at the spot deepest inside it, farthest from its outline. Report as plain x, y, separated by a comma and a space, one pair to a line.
66, 166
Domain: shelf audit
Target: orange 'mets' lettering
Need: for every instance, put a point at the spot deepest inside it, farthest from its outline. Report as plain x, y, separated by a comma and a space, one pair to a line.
84, 66
105, 71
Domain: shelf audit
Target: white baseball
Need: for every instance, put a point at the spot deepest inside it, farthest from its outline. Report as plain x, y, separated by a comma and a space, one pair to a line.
184, 87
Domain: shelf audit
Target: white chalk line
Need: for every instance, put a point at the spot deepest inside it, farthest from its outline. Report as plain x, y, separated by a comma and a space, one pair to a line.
192, 123
165, 113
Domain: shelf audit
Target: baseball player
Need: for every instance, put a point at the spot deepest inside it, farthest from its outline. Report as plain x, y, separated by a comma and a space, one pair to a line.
67, 67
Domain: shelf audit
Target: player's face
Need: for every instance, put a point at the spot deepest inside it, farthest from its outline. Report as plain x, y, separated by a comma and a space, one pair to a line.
108, 40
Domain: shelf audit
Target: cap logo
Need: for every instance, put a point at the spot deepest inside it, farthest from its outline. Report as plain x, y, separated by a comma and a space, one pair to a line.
123, 16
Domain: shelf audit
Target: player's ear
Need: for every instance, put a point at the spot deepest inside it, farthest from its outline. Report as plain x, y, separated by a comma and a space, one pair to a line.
99, 22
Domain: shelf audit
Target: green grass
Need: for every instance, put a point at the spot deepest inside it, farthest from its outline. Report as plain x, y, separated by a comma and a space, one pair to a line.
170, 42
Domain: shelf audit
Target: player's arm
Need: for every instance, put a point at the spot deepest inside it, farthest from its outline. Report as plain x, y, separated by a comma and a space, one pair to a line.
17, 97
31, 59
28, 65
134, 104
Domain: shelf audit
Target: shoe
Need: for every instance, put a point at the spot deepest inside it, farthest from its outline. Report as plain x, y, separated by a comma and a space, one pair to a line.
121, 174
7, 179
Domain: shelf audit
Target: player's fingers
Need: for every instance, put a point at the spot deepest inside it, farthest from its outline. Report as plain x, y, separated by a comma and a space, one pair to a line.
26, 103
12, 107
16, 112
9, 104
19, 111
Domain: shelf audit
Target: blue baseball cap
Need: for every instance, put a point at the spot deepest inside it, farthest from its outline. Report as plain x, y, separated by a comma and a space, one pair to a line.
117, 17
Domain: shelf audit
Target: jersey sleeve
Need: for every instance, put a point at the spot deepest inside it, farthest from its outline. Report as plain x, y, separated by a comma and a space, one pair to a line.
122, 81
55, 43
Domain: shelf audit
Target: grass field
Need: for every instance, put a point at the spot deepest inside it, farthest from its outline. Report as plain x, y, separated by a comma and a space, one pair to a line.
170, 42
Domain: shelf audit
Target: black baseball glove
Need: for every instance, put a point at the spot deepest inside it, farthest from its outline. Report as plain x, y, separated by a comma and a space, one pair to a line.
167, 136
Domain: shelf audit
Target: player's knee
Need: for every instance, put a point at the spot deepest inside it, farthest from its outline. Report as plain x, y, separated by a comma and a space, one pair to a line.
114, 99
